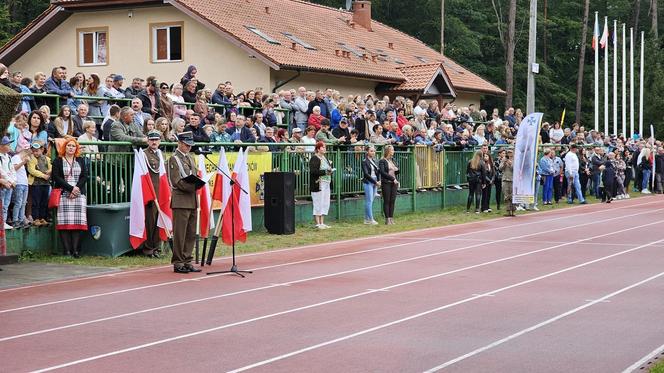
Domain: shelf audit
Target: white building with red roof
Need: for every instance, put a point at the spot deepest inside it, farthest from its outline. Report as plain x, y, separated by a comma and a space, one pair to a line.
272, 44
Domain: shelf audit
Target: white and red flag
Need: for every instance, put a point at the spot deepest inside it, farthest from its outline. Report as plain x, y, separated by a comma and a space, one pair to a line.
605, 36
206, 219
165, 221
142, 192
222, 185
237, 212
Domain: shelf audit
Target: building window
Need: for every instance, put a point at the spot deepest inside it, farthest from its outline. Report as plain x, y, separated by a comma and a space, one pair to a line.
166, 42
92, 46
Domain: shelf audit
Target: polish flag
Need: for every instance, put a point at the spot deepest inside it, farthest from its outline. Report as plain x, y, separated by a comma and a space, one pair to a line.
165, 221
142, 192
605, 37
595, 34
239, 207
222, 185
206, 219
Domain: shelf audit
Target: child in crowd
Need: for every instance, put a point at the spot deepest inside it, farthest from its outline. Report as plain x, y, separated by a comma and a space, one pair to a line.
20, 195
39, 174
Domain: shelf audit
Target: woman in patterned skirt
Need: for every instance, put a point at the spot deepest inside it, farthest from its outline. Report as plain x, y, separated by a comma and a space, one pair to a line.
70, 174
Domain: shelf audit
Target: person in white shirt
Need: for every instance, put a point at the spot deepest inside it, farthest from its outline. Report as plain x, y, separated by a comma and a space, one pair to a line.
572, 175
20, 194
7, 178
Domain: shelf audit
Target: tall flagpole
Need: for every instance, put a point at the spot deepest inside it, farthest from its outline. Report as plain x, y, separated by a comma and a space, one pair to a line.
596, 75
624, 83
641, 90
606, 81
631, 81
615, 78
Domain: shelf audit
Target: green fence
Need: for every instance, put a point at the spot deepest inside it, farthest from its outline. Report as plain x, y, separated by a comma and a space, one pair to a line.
420, 168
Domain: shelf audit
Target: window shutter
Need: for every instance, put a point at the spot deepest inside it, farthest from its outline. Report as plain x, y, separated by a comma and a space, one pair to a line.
101, 47
88, 49
176, 43
162, 44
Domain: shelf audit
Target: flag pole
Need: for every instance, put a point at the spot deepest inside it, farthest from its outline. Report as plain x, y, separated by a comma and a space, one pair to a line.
615, 77
596, 36
606, 80
624, 83
631, 81
641, 89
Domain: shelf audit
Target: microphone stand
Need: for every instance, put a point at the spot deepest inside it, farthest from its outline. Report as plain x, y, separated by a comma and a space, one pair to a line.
215, 238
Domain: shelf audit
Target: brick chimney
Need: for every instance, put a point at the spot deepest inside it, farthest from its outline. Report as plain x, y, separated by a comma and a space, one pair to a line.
362, 13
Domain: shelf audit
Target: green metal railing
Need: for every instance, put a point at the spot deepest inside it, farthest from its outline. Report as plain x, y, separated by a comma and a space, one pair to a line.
110, 173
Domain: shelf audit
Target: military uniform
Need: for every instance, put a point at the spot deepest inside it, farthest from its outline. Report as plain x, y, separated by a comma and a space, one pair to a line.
507, 168
184, 204
153, 241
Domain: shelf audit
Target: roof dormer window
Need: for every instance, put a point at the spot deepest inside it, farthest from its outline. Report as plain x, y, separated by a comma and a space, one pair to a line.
297, 40
263, 35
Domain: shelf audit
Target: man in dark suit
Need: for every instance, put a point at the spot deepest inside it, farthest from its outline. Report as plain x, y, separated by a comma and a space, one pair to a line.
240, 132
183, 203
78, 119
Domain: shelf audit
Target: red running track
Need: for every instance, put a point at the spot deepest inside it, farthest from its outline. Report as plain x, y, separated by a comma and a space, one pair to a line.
565, 290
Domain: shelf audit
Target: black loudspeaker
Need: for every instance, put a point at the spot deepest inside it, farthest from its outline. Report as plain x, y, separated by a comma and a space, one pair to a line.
279, 209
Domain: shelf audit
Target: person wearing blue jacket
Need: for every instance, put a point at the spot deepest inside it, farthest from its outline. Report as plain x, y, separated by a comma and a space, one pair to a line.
57, 84
546, 169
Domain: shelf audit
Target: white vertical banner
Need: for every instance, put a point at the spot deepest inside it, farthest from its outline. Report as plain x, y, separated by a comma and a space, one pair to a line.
614, 42
641, 90
624, 82
631, 81
525, 159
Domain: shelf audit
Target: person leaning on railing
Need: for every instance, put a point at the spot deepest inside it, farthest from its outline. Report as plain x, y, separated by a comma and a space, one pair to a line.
125, 130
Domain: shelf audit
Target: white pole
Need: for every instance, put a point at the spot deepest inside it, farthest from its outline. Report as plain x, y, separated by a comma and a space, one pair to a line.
615, 78
596, 75
641, 90
624, 83
631, 81
532, 55
606, 82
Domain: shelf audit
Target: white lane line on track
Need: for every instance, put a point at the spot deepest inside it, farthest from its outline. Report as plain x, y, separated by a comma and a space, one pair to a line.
438, 309
357, 295
632, 368
144, 287
580, 207
312, 260
168, 306
542, 324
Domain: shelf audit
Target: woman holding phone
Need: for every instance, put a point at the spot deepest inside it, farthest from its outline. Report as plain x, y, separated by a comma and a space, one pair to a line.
320, 178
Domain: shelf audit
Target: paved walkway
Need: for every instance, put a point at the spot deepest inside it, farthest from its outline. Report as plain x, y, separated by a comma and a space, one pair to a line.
29, 273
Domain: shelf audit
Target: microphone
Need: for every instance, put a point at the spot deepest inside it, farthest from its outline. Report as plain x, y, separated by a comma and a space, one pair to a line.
204, 151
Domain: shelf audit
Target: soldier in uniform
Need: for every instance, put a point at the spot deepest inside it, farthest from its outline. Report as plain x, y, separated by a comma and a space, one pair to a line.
507, 168
152, 244
183, 203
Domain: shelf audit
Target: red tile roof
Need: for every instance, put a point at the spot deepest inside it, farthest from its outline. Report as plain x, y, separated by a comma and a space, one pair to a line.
324, 28
417, 77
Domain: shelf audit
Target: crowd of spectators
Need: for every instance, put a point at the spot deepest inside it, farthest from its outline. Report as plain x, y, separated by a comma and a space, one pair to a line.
112, 109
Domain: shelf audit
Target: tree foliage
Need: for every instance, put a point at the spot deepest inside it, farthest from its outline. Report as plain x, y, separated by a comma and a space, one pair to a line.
472, 38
